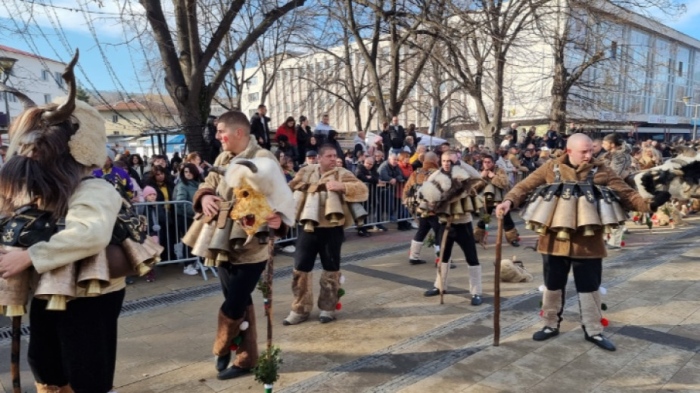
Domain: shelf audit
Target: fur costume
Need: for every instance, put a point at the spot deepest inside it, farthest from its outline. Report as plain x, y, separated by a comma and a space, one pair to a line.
552, 307
513, 270
302, 289
442, 188
680, 176
591, 313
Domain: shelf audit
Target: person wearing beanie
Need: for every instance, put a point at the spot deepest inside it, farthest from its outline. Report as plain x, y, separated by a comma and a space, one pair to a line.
116, 176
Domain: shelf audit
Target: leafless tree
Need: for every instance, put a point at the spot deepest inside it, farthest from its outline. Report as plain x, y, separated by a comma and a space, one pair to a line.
187, 52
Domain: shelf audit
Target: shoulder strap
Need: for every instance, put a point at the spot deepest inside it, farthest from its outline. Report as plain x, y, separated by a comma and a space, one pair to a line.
557, 174
591, 174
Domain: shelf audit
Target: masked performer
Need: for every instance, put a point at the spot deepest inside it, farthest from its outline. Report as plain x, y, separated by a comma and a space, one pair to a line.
576, 200
426, 221
53, 150
450, 192
497, 185
330, 197
224, 242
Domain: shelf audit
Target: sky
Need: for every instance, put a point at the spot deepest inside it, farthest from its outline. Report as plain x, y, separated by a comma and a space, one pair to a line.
114, 65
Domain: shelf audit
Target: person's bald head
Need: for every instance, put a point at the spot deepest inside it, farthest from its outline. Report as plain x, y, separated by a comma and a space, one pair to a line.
579, 147
431, 157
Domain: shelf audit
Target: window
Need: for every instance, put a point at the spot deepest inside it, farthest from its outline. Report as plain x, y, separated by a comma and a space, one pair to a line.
47, 98
115, 118
59, 79
116, 132
253, 81
680, 68
45, 75
613, 50
10, 97
253, 97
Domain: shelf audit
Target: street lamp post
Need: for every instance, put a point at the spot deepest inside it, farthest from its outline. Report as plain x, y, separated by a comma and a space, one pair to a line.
6, 64
686, 101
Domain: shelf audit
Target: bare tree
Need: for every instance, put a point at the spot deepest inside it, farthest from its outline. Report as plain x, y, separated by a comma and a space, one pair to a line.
187, 52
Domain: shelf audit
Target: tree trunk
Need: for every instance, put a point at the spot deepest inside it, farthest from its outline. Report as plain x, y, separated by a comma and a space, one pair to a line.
557, 113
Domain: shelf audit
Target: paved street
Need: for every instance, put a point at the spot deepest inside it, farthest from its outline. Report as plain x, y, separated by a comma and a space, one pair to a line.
389, 338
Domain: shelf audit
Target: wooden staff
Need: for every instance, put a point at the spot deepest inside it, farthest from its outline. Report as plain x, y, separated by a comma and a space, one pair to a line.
268, 280
497, 285
442, 254
14, 356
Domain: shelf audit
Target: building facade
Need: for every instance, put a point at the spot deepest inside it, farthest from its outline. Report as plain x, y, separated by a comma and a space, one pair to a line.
36, 76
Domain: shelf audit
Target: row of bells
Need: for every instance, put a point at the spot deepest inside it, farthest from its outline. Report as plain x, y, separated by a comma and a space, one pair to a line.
565, 208
310, 207
58, 286
456, 209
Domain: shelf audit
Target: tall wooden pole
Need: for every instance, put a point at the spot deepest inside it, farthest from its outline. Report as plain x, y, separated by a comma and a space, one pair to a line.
14, 357
497, 285
441, 283
268, 280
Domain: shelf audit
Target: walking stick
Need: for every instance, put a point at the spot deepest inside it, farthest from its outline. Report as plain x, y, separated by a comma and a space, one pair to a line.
497, 285
14, 356
442, 254
268, 281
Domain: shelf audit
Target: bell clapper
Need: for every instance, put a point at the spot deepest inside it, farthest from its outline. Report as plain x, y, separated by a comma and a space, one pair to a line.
308, 226
13, 310
94, 288
57, 303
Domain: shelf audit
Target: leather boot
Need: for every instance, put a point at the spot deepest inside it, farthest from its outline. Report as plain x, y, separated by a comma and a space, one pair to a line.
247, 352
439, 285
552, 308
475, 284
414, 253
328, 296
512, 237
227, 330
303, 303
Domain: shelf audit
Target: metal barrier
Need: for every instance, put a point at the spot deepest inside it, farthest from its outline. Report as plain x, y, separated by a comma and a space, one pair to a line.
167, 220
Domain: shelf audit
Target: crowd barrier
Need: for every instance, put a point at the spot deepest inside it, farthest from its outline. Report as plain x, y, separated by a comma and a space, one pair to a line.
167, 221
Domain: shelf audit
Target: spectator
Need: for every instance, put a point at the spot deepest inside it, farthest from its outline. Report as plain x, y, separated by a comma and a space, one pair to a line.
162, 183
378, 158
311, 157
135, 166
406, 171
504, 163
137, 195
202, 166
184, 191
544, 156
367, 172
176, 160
287, 165
322, 130
397, 135
648, 159
552, 139
506, 142
288, 128
360, 144
333, 141
385, 136
260, 127
636, 154
411, 131
420, 149
284, 147
598, 150
118, 177
313, 144
513, 132
390, 174
408, 145
304, 135
156, 219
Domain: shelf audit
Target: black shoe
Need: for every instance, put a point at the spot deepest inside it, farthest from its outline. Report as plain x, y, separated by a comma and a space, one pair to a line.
601, 341
432, 292
417, 261
515, 243
129, 280
476, 300
382, 228
232, 372
546, 333
222, 362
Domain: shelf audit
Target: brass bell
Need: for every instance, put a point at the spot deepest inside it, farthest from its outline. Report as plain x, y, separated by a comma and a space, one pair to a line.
201, 245
14, 291
93, 273
309, 216
299, 199
534, 199
57, 286
456, 209
586, 211
193, 231
237, 237
542, 215
468, 205
220, 240
606, 210
564, 217
358, 213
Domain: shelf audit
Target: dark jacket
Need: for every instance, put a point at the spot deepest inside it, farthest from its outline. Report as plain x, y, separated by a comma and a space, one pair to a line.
303, 137
184, 191
260, 131
397, 136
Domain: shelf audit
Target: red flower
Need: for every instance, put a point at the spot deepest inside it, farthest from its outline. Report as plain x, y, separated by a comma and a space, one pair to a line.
234, 347
622, 244
635, 218
338, 306
542, 313
604, 322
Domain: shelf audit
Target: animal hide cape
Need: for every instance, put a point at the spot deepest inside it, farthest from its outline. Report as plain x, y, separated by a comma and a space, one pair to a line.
260, 189
444, 188
679, 177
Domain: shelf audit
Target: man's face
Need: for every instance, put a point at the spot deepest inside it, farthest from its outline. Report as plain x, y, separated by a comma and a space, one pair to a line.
324, 119
159, 162
596, 146
606, 145
327, 160
392, 160
311, 160
446, 162
378, 157
395, 120
227, 135
262, 111
580, 153
487, 164
369, 163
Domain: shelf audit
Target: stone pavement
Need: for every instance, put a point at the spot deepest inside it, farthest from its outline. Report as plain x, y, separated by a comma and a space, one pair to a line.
390, 338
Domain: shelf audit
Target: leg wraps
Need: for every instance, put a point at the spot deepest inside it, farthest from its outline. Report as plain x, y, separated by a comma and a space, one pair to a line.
444, 269
328, 297
552, 307
591, 314
475, 280
41, 388
512, 235
247, 352
302, 289
228, 329
415, 249
479, 234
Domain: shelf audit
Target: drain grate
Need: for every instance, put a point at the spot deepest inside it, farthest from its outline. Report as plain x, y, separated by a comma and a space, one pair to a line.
194, 293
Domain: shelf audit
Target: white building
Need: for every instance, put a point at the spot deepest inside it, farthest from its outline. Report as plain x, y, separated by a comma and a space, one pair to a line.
651, 69
37, 77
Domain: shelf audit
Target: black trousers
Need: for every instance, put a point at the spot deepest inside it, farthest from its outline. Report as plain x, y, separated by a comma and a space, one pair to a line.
508, 223
325, 242
238, 281
425, 224
77, 346
463, 235
588, 273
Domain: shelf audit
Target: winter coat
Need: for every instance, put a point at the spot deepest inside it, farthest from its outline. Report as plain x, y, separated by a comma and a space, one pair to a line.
260, 131
184, 191
290, 133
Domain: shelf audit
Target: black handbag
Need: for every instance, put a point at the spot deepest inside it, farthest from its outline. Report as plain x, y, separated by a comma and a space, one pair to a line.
26, 227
